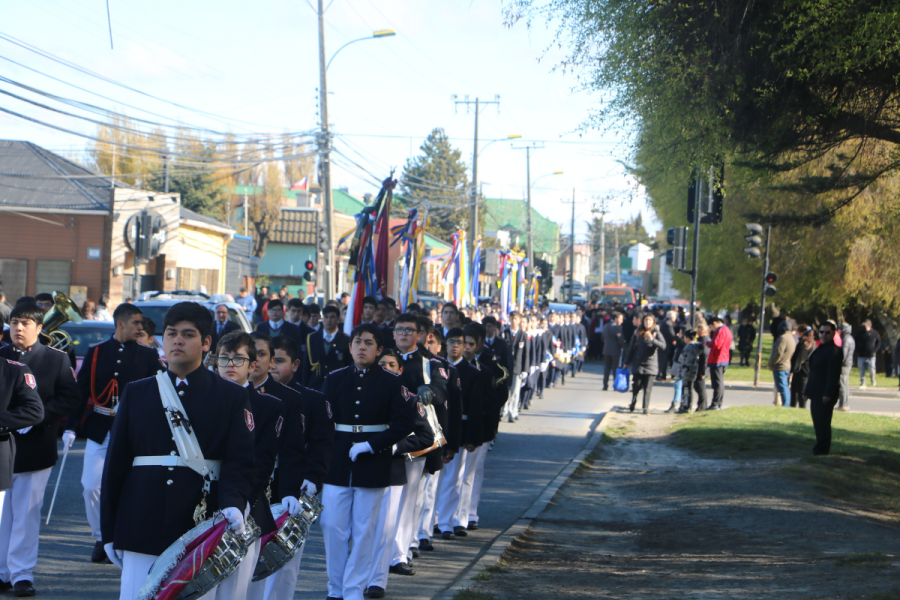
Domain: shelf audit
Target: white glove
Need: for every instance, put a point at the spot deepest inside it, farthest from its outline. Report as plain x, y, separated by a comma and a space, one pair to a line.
115, 556
235, 519
309, 487
359, 448
24, 431
291, 504
68, 438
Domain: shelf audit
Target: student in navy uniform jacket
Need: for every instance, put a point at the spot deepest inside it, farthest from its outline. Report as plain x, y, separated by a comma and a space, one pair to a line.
276, 325
372, 411
36, 451
20, 407
327, 350
235, 359
107, 368
144, 509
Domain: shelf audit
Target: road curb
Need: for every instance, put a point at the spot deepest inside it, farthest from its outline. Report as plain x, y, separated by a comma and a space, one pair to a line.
466, 578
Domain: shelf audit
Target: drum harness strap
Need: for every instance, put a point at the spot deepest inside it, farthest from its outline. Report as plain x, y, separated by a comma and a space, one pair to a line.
189, 453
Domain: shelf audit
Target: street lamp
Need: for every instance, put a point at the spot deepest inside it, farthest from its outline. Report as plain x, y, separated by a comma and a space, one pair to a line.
528, 208
514, 136
381, 33
324, 143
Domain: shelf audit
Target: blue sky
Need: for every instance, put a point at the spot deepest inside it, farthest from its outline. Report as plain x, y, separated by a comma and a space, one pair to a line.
254, 66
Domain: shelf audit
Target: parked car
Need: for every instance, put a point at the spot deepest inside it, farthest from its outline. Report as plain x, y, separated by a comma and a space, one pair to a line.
157, 304
86, 334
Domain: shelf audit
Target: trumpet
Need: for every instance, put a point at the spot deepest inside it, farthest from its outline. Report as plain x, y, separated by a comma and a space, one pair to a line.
63, 310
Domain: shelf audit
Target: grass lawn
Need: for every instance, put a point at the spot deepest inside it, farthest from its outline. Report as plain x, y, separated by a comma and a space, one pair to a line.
864, 466
736, 373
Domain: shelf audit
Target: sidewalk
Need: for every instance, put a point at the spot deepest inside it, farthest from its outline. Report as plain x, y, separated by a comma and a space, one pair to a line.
646, 520
768, 386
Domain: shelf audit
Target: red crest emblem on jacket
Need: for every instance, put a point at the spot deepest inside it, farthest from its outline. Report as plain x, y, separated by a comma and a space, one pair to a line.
29, 379
248, 419
421, 409
444, 373
405, 393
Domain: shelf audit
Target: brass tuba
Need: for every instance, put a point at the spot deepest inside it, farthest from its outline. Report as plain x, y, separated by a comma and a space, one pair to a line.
63, 310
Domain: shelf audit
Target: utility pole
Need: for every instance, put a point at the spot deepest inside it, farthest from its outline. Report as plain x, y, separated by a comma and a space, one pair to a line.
529, 234
572, 250
473, 229
166, 185
695, 253
602, 242
324, 143
762, 309
618, 262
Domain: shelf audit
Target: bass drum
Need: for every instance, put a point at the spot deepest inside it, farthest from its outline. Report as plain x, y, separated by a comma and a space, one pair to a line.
198, 561
280, 547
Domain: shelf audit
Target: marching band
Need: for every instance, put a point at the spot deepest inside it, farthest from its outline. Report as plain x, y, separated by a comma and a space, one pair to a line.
204, 470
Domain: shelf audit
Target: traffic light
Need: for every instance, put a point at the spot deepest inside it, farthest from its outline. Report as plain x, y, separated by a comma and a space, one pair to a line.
310, 274
771, 290
710, 207
754, 239
677, 237
147, 241
322, 237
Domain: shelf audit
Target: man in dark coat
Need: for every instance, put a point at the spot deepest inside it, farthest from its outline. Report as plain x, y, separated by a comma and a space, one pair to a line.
145, 507
613, 345
36, 451
824, 386
327, 350
669, 330
221, 327
107, 368
372, 410
746, 335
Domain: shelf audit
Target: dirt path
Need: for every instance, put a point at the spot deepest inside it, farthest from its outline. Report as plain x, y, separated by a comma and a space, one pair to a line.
647, 520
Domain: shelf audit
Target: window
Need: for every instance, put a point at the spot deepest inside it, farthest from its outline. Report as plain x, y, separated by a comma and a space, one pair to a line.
13, 277
192, 279
53, 276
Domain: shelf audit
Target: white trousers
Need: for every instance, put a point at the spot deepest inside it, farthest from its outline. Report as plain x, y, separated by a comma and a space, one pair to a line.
281, 584
349, 512
91, 476
429, 497
236, 585
449, 490
511, 408
481, 454
420, 507
467, 481
20, 526
384, 537
406, 514
136, 566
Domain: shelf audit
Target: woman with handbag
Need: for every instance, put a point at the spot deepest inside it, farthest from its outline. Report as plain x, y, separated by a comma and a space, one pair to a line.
641, 355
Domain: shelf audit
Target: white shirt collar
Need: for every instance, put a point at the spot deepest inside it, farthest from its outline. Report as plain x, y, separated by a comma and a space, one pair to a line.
246, 383
179, 381
329, 336
406, 356
275, 324
461, 358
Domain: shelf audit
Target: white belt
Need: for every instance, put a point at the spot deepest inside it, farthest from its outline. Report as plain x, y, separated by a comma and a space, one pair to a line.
107, 412
212, 466
359, 428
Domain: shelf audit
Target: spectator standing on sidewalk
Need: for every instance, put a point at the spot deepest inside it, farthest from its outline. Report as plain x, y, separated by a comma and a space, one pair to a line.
806, 345
669, 330
867, 346
613, 344
248, 303
719, 354
824, 386
693, 369
780, 360
746, 335
848, 346
641, 355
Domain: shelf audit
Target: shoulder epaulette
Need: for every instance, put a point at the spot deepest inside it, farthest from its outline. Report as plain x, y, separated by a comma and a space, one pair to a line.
339, 370
57, 349
12, 362
98, 343
386, 370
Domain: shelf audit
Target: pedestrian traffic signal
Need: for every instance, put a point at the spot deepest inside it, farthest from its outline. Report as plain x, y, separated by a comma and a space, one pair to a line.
770, 289
754, 239
677, 237
310, 274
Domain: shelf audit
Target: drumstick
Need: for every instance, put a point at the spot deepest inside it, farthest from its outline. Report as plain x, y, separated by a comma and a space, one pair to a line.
58, 478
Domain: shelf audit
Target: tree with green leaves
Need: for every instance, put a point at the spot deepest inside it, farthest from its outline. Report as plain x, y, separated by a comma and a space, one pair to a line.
437, 180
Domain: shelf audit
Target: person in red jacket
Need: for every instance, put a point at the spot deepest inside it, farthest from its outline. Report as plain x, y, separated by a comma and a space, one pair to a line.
719, 356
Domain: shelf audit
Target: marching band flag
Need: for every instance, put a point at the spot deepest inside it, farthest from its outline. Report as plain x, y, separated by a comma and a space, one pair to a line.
302, 184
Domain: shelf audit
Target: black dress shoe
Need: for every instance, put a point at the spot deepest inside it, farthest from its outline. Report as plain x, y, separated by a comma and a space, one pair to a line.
402, 569
333, 598
375, 592
98, 554
425, 544
447, 535
460, 531
5, 585
473, 526
23, 589
415, 554
436, 530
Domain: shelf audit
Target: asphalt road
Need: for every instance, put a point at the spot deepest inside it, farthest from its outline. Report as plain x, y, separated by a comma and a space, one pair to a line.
526, 457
